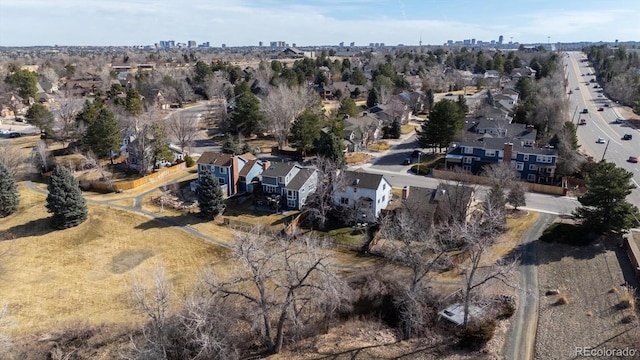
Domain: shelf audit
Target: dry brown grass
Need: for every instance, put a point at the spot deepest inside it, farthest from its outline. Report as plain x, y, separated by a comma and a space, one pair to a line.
51, 278
358, 157
562, 299
627, 299
379, 146
407, 129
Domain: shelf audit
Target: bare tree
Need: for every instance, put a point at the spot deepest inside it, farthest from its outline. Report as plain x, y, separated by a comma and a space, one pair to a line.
321, 202
478, 236
281, 108
154, 302
183, 128
13, 157
283, 285
66, 115
42, 156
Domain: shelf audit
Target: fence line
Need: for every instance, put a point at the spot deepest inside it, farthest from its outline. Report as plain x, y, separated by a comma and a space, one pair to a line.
541, 188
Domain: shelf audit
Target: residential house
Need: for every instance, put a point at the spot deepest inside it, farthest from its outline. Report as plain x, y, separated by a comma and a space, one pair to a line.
429, 207
291, 53
82, 87
518, 73
415, 100
532, 164
395, 109
501, 128
12, 105
361, 131
291, 181
48, 86
367, 194
227, 168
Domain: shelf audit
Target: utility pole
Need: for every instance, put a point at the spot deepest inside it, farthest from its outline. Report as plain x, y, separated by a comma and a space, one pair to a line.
605, 149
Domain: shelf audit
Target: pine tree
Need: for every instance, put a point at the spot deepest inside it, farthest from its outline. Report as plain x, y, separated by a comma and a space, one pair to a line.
103, 134
9, 196
210, 197
372, 98
516, 196
65, 200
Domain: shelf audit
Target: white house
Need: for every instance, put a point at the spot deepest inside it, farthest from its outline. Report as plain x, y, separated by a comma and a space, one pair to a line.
367, 193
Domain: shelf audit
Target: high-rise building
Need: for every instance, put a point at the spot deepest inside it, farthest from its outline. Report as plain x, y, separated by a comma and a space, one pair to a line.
473, 41
224, 46
191, 43
260, 43
353, 43
500, 39
341, 44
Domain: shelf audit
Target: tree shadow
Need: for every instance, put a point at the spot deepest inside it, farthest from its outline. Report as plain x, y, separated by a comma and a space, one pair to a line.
35, 227
160, 222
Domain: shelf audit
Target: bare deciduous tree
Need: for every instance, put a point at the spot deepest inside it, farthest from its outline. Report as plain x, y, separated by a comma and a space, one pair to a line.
154, 302
42, 156
281, 108
321, 202
66, 116
283, 285
183, 128
13, 158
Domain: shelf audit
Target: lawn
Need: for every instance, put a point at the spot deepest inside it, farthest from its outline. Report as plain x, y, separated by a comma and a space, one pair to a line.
379, 146
428, 162
358, 157
407, 129
83, 274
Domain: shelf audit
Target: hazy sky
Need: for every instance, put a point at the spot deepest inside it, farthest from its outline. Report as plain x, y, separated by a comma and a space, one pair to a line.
313, 22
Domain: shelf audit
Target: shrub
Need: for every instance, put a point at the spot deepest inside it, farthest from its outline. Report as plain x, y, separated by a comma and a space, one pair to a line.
477, 334
189, 160
627, 299
562, 299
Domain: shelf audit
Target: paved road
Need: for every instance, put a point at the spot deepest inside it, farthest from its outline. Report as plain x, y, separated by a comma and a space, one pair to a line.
137, 208
601, 123
521, 336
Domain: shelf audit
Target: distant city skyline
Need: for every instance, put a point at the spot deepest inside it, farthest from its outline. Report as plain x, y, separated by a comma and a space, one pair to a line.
313, 22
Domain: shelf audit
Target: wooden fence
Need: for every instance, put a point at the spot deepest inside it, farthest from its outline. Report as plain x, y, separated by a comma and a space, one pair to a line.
132, 184
633, 251
475, 179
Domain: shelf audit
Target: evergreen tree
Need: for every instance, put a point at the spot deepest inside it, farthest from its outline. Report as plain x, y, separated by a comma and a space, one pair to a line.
133, 102
39, 116
25, 82
395, 130
372, 98
305, 131
9, 196
230, 146
348, 107
358, 77
445, 120
103, 135
210, 196
65, 200
330, 146
247, 118
490, 99
89, 112
604, 206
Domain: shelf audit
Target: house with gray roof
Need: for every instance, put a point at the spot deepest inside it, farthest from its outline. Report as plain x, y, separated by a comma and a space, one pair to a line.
291, 181
235, 173
367, 194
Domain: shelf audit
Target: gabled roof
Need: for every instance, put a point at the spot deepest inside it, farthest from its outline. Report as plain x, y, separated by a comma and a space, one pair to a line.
300, 179
278, 169
489, 143
215, 158
247, 167
363, 180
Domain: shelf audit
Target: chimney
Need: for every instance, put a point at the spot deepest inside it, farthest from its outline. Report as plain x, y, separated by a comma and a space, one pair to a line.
405, 193
265, 165
508, 152
234, 174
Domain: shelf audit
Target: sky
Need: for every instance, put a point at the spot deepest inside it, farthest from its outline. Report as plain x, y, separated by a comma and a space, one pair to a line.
313, 22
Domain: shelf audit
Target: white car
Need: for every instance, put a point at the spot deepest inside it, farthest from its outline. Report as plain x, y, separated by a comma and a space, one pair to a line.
4, 131
600, 141
619, 120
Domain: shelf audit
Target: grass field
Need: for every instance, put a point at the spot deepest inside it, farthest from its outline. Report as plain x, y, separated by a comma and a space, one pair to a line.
52, 278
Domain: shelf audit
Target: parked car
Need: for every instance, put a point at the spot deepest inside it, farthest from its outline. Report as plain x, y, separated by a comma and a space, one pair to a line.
416, 153
570, 92
619, 120
449, 94
633, 159
4, 131
15, 135
407, 161
600, 141
582, 122
627, 137
585, 111
600, 109
577, 88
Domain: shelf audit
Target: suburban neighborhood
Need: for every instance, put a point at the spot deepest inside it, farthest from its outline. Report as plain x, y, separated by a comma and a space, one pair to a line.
290, 202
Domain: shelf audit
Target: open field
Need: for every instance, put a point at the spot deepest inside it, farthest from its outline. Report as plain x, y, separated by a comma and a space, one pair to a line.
52, 278
591, 279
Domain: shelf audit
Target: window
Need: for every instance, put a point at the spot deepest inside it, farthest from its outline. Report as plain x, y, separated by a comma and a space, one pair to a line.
291, 203
384, 186
467, 150
468, 159
269, 189
466, 167
223, 170
281, 179
383, 197
531, 177
519, 166
532, 167
221, 181
545, 159
525, 157
490, 153
344, 201
355, 189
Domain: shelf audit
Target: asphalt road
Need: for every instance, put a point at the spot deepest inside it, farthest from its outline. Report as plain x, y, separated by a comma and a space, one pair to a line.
600, 123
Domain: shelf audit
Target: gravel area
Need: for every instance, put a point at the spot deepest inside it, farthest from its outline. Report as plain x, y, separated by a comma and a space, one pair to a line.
590, 278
